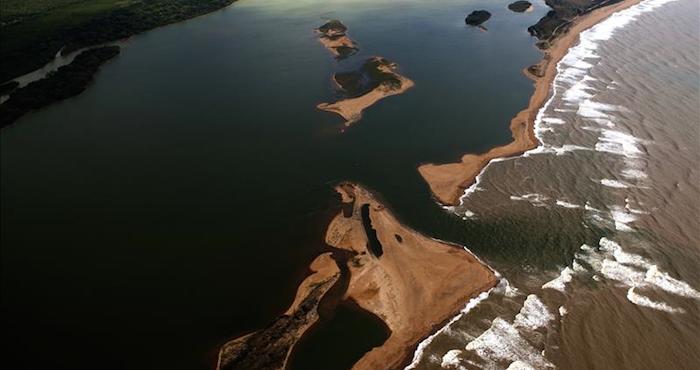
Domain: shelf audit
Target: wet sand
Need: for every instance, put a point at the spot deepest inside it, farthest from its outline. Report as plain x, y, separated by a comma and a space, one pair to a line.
448, 181
351, 109
414, 285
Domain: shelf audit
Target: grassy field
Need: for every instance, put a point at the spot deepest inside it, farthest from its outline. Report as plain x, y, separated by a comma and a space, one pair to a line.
33, 31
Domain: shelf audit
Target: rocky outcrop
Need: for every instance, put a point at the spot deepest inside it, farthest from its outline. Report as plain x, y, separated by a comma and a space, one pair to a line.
558, 20
477, 17
334, 37
520, 6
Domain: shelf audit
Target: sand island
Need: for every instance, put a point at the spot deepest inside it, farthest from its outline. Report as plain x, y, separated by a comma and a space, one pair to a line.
376, 79
557, 32
333, 35
413, 283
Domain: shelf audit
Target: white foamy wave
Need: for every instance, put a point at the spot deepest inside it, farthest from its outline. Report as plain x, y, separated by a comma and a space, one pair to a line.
619, 143
579, 90
420, 350
502, 342
667, 283
641, 300
633, 271
622, 218
520, 365
632, 173
451, 360
553, 120
591, 109
565, 204
537, 200
533, 315
614, 270
613, 184
560, 282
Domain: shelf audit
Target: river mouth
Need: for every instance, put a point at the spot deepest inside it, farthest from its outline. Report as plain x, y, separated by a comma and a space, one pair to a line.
160, 202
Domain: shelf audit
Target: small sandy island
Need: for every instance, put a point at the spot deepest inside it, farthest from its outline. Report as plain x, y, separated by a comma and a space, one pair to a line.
411, 282
374, 80
270, 348
333, 35
449, 181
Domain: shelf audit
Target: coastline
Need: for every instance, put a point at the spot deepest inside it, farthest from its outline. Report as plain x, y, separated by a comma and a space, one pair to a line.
448, 182
397, 272
391, 271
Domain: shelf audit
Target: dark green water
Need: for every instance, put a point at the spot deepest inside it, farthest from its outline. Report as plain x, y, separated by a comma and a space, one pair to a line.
178, 201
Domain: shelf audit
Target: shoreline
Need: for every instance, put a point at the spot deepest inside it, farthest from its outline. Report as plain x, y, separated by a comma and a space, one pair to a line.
397, 272
384, 268
448, 182
351, 108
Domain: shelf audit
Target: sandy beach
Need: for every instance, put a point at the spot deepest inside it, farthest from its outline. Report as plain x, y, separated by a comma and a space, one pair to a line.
449, 181
414, 285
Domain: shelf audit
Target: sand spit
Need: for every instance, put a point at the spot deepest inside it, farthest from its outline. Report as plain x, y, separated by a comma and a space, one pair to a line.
449, 181
414, 284
385, 82
334, 37
270, 348
411, 282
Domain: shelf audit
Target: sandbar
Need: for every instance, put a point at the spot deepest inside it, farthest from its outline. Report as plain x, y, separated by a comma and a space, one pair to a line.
414, 285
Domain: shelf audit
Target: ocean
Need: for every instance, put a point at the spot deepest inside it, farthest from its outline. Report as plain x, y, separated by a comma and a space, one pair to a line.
613, 196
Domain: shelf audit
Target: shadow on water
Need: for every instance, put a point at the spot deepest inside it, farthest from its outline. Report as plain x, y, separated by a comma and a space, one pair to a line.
339, 341
344, 332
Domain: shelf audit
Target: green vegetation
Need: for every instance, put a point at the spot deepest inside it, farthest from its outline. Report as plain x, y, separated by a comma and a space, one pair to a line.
519, 6
66, 82
33, 31
477, 17
558, 20
371, 75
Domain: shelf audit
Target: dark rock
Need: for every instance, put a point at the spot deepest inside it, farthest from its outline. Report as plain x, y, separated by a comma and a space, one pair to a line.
558, 20
334, 27
520, 6
369, 76
477, 17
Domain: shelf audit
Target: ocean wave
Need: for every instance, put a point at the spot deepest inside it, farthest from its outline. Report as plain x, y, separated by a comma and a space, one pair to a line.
566, 204
560, 282
533, 315
420, 350
644, 301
